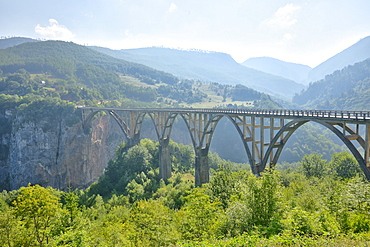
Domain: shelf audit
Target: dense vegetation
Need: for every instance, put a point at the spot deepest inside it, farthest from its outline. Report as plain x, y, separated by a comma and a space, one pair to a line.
318, 203
347, 89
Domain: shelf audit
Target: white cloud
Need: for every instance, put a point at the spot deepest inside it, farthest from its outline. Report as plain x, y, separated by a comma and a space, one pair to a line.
288, 36
54, 31
284, 17
172, 8
128, 34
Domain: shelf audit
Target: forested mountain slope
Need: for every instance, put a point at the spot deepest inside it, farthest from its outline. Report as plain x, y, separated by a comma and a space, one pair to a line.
353, 54
42, 56
207, 66
82, 68
347, 89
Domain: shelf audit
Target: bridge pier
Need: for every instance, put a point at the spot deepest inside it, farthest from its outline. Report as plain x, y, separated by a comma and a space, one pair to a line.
367, 146
201, 166
164, 159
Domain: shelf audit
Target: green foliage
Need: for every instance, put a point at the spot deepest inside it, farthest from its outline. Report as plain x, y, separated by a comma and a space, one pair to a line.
300, 222
243, 93
135, 172
71, 204
225, 184
198, 217
51, 111
344, 165
182, 157
262, 196
172, 194
313, 165
236, 208
182, 91
153, 224
132, 173
37, 207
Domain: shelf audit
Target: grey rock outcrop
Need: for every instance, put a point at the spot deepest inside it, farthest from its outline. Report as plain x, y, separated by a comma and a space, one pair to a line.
59, 156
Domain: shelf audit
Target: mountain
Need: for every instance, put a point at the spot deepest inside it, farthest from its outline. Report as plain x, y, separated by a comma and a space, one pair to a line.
292, 71
207, 66
66, 57
353, 54
9, 42
347, 89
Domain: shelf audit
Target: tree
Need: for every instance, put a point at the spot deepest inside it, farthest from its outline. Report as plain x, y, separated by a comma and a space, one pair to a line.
313, 166
199, 216
37, 207
153, 224
71, 200
344, 165
224, 184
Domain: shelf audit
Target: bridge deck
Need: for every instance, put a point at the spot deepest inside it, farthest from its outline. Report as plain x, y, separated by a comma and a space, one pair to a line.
333, 115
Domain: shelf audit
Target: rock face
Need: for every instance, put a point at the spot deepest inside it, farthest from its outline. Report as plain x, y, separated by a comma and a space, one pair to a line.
59, 156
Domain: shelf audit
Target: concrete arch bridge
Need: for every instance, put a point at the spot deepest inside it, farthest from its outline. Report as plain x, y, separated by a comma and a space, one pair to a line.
263, 132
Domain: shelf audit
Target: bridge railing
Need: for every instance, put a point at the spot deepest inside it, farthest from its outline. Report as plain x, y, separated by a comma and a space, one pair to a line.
353, 115
348, 115
333, 114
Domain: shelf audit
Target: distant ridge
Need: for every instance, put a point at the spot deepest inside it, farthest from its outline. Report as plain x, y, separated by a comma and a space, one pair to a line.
358, 52
10, 42
292, 71
210, 67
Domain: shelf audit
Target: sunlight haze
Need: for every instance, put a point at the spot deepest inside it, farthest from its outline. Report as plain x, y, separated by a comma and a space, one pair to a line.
306, 32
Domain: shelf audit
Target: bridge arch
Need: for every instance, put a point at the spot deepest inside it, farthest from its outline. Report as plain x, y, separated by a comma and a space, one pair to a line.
244, 134
123, 126
251, 126
293, 125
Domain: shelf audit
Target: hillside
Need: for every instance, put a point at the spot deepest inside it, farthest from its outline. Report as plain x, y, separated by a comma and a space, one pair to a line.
292, 71
209, 67
77, 69
353, 54
39, 52
347, 89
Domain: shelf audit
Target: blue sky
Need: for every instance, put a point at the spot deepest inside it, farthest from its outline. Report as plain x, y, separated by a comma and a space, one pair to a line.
301, 31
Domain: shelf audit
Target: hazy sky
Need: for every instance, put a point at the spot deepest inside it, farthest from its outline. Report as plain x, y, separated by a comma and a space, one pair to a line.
301, 31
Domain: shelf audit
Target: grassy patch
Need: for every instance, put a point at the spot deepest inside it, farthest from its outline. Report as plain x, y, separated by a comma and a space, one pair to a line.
135, 82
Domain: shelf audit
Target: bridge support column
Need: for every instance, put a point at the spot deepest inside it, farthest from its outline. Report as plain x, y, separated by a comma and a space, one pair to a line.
133, 141
164, 159
201, 166
367, 146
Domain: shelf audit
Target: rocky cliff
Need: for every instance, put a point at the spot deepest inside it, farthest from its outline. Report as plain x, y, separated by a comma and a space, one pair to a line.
56, 155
